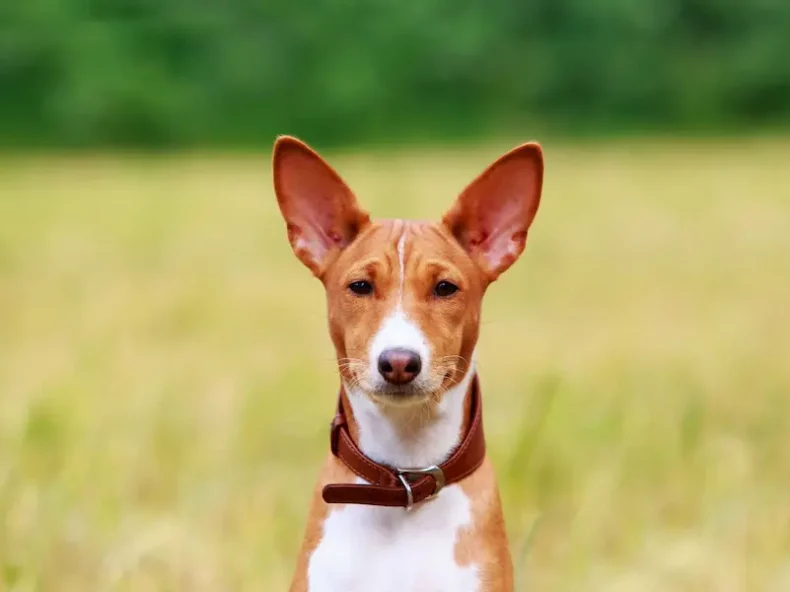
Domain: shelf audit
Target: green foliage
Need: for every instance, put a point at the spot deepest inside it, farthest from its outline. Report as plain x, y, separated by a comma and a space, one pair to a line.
186, 72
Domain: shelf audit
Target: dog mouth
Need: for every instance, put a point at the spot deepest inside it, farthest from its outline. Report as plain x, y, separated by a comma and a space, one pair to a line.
401, 391
426, 387
401, 397
416, 392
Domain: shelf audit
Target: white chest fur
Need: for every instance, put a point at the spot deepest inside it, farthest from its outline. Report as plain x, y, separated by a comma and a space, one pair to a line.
373, 549
376, 549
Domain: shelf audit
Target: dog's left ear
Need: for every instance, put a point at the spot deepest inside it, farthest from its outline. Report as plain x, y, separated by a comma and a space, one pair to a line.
320, 211
492, 215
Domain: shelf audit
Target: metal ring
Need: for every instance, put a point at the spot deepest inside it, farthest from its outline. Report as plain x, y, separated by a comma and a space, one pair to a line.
407, 487
433, 471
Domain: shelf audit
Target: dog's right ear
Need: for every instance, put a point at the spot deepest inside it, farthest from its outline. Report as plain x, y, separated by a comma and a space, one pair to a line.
320, 211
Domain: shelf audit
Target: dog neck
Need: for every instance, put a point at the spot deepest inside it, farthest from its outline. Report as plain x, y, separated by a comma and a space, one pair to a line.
410, 436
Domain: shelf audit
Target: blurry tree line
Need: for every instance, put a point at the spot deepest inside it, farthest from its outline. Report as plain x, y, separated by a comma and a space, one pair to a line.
236, 72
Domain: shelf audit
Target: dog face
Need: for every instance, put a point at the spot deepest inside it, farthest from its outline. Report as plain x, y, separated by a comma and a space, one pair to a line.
404, 297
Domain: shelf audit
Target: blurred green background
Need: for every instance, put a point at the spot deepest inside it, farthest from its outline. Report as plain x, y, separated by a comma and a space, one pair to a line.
166, 376
155, 73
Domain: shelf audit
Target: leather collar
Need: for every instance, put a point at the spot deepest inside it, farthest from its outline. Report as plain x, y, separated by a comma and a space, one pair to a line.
399, 486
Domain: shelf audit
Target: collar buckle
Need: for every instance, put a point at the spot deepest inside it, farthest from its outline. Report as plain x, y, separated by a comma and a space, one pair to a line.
433, 471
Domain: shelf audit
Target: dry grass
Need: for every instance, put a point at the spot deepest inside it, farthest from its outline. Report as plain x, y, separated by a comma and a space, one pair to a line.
166, 378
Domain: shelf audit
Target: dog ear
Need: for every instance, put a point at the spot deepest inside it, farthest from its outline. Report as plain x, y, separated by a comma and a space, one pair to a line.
492, 215
320, 211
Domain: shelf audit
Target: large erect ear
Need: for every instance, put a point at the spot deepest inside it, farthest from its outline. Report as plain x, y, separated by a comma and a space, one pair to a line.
320, 211
492, 216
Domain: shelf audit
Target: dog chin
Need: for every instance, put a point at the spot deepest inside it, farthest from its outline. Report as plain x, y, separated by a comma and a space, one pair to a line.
400, 396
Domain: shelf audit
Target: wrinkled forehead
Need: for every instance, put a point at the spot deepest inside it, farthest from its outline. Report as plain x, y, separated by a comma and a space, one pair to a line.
395, 247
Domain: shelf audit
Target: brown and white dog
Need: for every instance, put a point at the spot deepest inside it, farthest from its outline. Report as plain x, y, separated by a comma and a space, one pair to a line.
404, 301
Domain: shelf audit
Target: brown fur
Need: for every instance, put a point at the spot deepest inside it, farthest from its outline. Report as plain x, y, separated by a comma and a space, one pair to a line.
485, 543
333, 471
432, 254
479, 238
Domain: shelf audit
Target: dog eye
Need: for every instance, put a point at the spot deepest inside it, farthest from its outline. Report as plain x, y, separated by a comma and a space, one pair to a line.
444, 289
361, 288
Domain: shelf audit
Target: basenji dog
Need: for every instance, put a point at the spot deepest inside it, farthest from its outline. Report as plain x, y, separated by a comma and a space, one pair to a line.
407, 499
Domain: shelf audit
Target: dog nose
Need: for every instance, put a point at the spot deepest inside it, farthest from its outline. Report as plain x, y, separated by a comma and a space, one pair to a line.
399, 366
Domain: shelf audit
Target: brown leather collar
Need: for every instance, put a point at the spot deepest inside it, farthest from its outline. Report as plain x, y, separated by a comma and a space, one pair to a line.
389, 486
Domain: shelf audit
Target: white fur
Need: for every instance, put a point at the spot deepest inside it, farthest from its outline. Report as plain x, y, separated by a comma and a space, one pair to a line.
376, 549
371, 549
398, 331
429, 441
402, 262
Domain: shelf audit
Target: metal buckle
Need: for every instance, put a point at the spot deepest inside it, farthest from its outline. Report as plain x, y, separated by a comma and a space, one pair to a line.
434, 471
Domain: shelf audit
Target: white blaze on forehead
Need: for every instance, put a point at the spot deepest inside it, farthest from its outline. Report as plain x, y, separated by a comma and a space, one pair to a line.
401, 256
397, 330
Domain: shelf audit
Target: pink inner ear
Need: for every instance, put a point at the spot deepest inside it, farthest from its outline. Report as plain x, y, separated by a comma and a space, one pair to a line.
493, 214
315, 219
507, 235
320, 210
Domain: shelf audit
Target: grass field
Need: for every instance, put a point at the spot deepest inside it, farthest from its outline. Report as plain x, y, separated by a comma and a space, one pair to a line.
166, 378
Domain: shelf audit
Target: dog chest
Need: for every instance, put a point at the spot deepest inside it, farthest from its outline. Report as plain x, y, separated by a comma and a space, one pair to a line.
375, 549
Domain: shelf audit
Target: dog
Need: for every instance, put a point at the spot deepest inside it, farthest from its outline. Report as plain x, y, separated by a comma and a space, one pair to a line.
407, 499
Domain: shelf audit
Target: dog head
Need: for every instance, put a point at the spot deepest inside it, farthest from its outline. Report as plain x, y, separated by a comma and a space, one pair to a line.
404, 298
